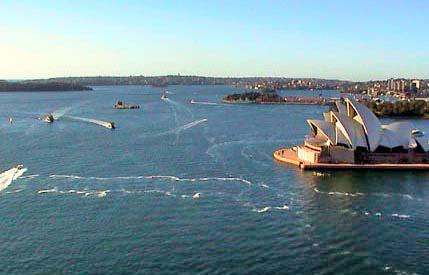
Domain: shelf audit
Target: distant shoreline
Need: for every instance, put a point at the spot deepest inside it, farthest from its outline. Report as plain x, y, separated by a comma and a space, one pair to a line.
32, 86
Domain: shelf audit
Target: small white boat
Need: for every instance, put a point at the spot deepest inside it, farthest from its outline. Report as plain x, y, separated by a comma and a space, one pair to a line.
192, 101
110, 125
164, 97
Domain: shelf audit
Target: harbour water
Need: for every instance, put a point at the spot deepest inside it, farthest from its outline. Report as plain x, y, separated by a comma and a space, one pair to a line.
192, 188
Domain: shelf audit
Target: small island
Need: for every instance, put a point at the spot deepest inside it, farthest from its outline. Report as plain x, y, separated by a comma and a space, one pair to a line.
270, 96
40, 86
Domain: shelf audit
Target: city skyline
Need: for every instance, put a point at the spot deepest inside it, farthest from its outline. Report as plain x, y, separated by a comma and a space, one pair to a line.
296, 39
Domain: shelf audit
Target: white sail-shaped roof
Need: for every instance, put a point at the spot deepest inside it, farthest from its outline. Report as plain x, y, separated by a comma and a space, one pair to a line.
340, 138
342, 109
396, 134
351, 129
356, 126
325, 128
367, 119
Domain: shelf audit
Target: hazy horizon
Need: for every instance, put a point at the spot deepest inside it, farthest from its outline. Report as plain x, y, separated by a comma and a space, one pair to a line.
194, 75
295, 39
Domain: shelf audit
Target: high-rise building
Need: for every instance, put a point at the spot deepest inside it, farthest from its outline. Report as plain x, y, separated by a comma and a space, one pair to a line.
400, 85
391, 84
416, 83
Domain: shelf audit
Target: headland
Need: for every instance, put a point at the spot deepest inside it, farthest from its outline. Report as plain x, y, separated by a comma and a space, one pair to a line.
40, 86
270, 96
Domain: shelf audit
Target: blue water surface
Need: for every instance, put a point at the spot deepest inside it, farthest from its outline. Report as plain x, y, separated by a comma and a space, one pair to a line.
182, 188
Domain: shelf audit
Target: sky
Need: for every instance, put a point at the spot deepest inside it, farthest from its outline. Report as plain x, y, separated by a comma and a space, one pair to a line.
363, 40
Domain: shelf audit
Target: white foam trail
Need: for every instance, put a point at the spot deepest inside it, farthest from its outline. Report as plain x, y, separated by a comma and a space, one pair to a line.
14, 191
53, 190
339, 193
262, 210
284, 207
85, 193
29, 176
90, 120
180, 129
172, 178
214, 147
401, 216
320, 174
59, 113
10, 175
204, 103
102, 194
179, 105
192, 124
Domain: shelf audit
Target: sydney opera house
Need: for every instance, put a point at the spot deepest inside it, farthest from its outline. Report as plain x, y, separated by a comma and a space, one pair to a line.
351, 136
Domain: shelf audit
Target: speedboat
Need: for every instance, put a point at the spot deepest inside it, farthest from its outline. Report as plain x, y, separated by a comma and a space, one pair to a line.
192, 101
110, 125
49, 118
164, 97
417, 133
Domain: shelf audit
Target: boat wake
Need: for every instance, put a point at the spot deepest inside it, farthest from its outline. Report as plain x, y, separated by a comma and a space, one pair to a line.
160, 177
192, 124
10, 175
85, 193
90, 120
203, 103
180, 129
61, 112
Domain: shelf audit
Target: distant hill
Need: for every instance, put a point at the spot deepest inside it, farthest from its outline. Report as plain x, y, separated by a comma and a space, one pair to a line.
40, 86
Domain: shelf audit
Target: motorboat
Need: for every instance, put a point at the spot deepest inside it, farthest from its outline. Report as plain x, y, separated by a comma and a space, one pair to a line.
110, 125
192, 101
417, 133
49, 118
164, 97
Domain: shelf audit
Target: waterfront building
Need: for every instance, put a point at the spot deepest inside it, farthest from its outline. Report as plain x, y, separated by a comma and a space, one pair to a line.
350, 134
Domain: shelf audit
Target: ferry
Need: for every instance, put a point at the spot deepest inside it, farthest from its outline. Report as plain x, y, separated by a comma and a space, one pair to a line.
163, 97
120, 105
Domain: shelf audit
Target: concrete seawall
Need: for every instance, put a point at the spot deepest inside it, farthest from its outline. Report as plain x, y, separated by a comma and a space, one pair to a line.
289, 156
